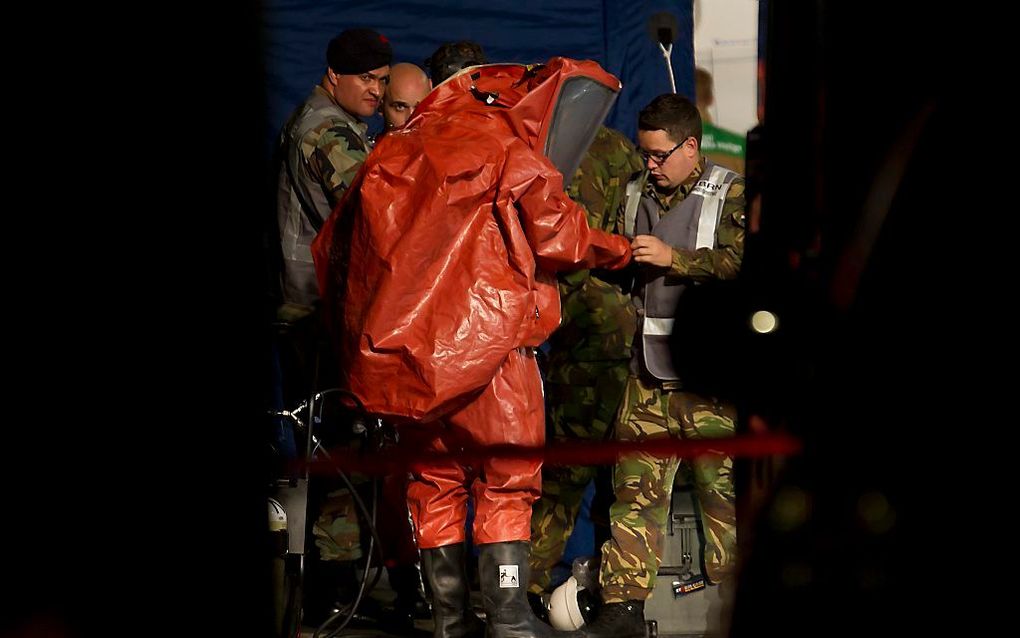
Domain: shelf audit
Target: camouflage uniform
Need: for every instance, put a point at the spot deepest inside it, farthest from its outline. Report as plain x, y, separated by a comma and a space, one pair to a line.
654, 409
587, 365
322, 148
336, 530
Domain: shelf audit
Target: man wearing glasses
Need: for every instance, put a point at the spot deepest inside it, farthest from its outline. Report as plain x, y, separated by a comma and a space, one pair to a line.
687, 218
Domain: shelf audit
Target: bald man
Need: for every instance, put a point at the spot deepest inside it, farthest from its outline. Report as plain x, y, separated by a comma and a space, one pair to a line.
408, 86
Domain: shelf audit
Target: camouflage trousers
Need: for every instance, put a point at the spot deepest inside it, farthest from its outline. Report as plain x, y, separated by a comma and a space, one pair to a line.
581, 410
644, 485
336, 530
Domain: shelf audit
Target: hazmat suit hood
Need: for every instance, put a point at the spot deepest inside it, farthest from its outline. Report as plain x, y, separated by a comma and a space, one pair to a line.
555, 108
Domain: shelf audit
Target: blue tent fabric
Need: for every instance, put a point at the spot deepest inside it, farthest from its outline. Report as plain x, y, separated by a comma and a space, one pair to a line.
614, 33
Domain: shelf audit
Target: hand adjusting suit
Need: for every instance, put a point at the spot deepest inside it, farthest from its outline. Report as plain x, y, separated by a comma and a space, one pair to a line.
436, 273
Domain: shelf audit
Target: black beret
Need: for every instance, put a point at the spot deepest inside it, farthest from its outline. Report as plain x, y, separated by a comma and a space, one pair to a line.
357, 51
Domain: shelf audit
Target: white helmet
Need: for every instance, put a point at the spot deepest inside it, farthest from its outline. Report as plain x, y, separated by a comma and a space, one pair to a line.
277, 516
570, 606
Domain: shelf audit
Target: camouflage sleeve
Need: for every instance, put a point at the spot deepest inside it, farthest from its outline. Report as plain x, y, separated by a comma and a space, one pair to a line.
602, 177
336, 158
594, 189
723, 261
599, 185
571, 282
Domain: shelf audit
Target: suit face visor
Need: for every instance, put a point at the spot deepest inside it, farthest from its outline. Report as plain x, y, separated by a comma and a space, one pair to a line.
580, 109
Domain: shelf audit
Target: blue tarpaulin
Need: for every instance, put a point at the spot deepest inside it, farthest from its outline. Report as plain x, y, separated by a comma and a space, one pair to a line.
614, 33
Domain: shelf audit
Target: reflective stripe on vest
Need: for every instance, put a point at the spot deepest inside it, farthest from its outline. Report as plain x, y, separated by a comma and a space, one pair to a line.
657, 326
632, 193
711, 207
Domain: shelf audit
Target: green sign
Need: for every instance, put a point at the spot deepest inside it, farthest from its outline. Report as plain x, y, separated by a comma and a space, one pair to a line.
721, 141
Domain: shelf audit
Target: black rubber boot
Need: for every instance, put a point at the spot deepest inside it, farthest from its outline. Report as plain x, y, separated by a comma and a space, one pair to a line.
538, 607
329, 586
504, 572
618, 620
445, 568
409, 604
406, 584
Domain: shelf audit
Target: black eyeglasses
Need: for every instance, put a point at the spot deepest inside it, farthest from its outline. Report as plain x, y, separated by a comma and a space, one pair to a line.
660, 158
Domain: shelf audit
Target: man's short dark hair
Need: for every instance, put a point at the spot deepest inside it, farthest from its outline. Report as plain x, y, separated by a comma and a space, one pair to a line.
674, 114
452, 57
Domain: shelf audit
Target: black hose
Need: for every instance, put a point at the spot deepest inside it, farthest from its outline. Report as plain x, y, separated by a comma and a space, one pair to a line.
375, 543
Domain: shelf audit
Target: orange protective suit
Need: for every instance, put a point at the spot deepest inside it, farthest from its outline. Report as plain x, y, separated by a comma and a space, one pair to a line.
435, 274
